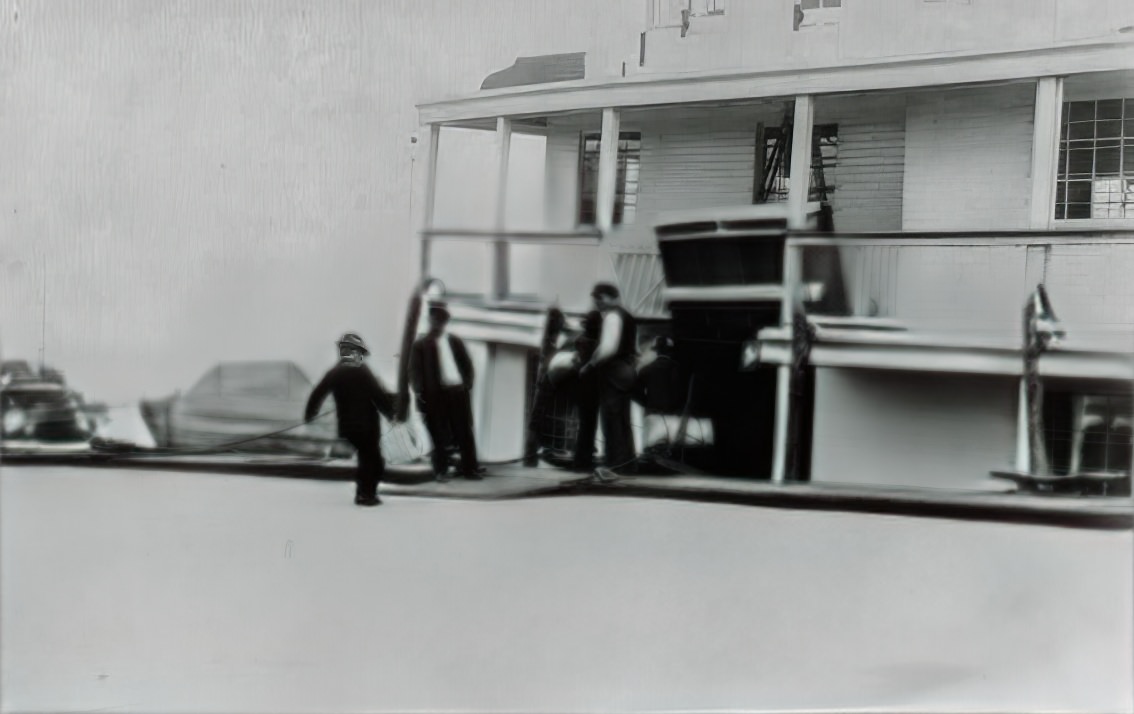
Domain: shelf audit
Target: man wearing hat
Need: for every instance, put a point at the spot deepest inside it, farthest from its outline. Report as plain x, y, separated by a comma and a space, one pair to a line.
613, 365
442, 377
359, 398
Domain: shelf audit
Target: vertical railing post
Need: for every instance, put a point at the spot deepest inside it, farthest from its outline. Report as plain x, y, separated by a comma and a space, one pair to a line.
500, 258
791, 281
608, 171
432, 139
1023, 461
798, 190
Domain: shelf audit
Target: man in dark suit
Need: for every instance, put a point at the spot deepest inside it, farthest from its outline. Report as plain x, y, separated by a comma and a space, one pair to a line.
613, 365
587, 391
442, 377
359, 398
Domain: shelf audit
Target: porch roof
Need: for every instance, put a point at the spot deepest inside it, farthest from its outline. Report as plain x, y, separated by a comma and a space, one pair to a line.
941, 70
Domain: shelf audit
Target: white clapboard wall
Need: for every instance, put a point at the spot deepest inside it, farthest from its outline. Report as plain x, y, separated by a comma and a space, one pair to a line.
702, 165
968, 159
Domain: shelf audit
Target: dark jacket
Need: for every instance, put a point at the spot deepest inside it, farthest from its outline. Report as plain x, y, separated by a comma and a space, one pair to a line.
660, 387
359, 398
425, 366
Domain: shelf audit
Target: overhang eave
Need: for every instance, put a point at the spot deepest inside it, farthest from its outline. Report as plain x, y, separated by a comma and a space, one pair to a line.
938, 71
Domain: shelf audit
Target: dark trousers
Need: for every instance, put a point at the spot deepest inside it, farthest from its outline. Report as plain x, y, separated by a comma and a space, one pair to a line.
587, 407
614, 413
448, 416
371, 465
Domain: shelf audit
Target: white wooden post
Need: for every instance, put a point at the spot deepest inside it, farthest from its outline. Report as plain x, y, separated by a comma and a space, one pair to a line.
798, 190
500, 278
1045, 151
608, 171
432, 140
1023, 446
799, 186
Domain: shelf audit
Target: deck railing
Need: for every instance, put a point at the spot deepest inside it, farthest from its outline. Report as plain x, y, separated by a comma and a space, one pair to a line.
546, 266
978, 282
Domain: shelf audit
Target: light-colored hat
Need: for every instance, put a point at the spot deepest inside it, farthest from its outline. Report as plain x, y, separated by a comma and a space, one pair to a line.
352, 340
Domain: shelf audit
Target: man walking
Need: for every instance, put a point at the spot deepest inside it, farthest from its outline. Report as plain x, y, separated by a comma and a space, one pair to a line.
613, 365
359, 398
442, 378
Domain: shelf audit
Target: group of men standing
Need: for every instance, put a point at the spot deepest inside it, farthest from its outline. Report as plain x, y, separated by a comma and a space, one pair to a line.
441, 375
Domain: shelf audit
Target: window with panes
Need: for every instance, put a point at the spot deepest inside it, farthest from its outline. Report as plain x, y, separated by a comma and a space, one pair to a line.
1096, 160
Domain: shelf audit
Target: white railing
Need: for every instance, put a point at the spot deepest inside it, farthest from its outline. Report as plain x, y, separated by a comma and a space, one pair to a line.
978, 283
547, 266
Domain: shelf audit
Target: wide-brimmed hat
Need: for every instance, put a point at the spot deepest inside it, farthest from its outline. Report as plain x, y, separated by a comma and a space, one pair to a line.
352, 340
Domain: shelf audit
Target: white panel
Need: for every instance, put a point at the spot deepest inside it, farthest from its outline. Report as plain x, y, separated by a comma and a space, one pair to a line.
912, 429
968, 159
501, 435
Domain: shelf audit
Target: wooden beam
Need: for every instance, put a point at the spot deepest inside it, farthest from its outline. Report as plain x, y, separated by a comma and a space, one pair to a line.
432, 140
799, 185
1045, 151
944, 70
608, 171
500, 257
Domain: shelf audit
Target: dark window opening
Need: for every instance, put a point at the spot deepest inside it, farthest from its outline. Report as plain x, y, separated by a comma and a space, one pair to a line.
1088, 432
776, 163
626, 181
1096, 160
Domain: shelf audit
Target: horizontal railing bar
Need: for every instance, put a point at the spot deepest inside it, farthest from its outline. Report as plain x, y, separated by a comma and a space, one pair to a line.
536, 237
962, 239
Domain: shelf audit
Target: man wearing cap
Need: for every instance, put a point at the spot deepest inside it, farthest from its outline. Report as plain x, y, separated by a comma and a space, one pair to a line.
359, 398
442, 377
613, 365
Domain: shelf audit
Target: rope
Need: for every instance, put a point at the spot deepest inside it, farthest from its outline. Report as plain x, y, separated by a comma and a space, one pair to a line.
223, 447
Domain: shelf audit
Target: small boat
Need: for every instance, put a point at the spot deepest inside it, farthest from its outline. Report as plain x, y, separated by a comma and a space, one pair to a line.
235, 401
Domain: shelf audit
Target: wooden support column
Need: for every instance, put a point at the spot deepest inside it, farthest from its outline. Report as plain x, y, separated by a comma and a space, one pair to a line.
431, 138
1045, 151
608, 171
500, 259
1023, 460
800, 185
798, 190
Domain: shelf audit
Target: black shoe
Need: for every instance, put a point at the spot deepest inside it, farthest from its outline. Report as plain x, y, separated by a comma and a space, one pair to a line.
473, 475
442, 478
367, 501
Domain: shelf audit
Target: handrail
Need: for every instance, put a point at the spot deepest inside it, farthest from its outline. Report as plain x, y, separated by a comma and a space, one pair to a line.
581, 237
965, 238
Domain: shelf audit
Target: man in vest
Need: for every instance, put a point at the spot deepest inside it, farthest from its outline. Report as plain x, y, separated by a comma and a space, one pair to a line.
359, 398
442, 377
613, 365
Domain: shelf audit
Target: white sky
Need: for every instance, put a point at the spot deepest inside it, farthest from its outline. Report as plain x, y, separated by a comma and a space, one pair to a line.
205, 181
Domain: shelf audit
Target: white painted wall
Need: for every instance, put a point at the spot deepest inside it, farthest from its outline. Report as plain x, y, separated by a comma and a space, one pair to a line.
760, 35
968, 159
909, 429
703, 165
868, 175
